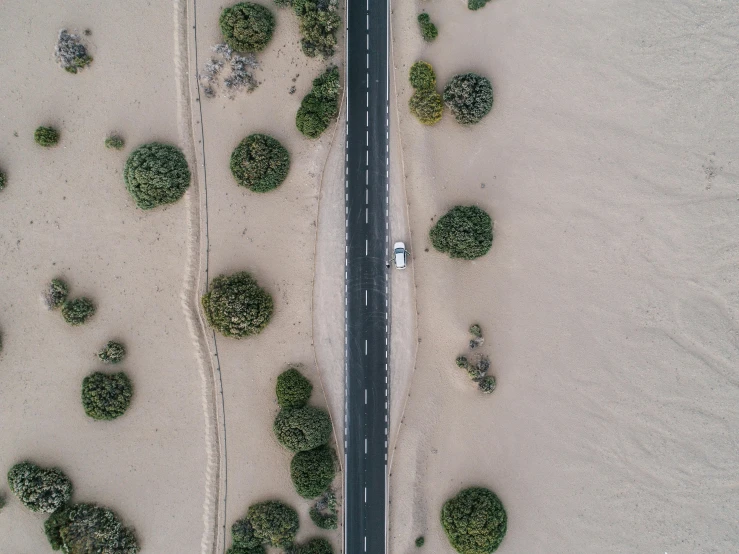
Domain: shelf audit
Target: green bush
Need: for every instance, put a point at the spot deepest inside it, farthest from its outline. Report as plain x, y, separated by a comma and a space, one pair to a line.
89, 529
106, 396
314, 546
419, 542
112, 353
319, 22
474, 521
463, 232
56, 293
426, 106
247, 27
313, 471
293, 390
302, 428
323, 513
476, 331
320, 106
422, 75
274, 523
462, 362
46, 136
428, 30
3, 180
156, 174
236, 306
40, 490
259, 549
469, 97
260, 163
476, 4
78, 311
244, 539
487, 384
115, 142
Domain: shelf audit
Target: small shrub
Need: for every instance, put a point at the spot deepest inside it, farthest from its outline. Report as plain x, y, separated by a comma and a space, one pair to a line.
426, 106
112, 353
40, 490
114, 142
106, 397
422, 75
487, 384
476, 4
319, 21
462, 362
314, 546
428, 30
78, 311
46, 136
156, 174
3, 180
474, 521
323, 513
247, 27
464, 232
274, 523
475, 342
260, 163
236, 306
293, 389
88, 529
70, 53
313, 471
483, 364
419, 542
56, 293
302, 428
469, 97
236, 71
320, 106
476, 331
474, 372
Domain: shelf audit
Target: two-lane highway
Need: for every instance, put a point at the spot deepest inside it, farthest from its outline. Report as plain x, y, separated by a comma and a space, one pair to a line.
366, 285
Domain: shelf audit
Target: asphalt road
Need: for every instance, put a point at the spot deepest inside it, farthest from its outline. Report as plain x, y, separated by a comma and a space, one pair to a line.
367, 244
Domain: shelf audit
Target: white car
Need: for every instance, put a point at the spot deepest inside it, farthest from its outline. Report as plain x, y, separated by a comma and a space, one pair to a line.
399, 255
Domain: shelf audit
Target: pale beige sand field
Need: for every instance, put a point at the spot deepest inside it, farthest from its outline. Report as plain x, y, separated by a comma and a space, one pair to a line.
609, 298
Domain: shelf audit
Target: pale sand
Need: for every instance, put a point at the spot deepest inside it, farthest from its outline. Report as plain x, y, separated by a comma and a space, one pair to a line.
66, 213
609, 298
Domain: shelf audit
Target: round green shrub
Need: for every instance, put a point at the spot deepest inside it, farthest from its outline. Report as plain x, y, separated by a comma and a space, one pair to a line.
463, 232
422, 75
114, 142
77, 311
313, 471
419, 542
112, 353
260, 163
247, 27
156, 174
46, 136
462, 362
320, 106
426, 105
474, 521
293, 390
243, 536
274, 523
314, 546
236, 306
428, 30
469, 97
38, 489
476, 331
56, 293
487, 384
89, 529
324, 521
106, 396
302, 428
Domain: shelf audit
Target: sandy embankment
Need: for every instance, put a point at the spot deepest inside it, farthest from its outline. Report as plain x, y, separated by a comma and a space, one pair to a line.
66, 212
609, 297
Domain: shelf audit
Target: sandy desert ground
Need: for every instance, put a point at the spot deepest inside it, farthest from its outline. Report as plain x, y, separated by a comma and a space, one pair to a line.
609, 297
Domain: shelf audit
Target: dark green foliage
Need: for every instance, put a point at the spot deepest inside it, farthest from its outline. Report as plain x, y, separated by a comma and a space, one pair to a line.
476, 4
115, 142
3, 180
293, 390
247, 27
236, 306
320, 106
243, 536
274, 523
156, 174
419, 542
428, 30
463, 232
77, 311
314, 546
113, 353
106, 396
319, 22
2, 501
89, 529
235, 549
469, 97
313, 471
462, 362
474, 521
56, 293
46, 136
476, 331
487, 384
302, 428
260, 163
426, 105
323, 513
422, 75
40, 490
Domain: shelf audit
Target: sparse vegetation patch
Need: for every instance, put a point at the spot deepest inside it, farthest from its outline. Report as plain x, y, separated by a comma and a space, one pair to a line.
477, 371
247, 27
320, 106
469, 97
106, 397
474, 521
324, 513
46, 136
70, 53
476, 4
236, 306
235, 71
464, 232
40, 490
260, 163
56, 293
156, 174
